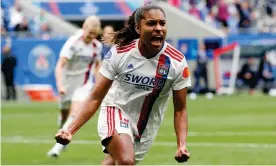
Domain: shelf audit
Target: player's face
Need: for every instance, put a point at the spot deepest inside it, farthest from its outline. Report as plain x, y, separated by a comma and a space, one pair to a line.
153, 28
89, 34
108, 31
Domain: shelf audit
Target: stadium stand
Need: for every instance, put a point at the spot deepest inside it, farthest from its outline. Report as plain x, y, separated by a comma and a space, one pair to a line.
234, 16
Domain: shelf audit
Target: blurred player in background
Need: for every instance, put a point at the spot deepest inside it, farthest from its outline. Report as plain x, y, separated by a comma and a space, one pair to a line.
266, 73
79, 60
8, 67
201, 70
248, 75
142, 69
108, 32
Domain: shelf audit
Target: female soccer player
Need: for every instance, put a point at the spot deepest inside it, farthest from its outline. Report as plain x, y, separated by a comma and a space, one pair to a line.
80, 58
135, 81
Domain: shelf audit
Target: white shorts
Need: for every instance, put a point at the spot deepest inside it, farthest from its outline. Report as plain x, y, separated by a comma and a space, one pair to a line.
71, 83
112, 118
83, 92
80, 93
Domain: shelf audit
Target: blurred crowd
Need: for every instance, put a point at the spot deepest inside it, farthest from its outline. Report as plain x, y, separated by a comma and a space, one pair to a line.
14, 21
233, 16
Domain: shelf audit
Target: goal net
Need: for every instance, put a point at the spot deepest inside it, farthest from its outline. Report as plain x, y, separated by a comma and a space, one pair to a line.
226, 64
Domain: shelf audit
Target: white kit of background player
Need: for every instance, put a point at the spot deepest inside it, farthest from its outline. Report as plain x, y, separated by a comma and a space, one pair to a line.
80, 58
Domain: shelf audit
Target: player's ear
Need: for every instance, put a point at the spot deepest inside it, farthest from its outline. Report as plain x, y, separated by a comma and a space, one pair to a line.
137, 29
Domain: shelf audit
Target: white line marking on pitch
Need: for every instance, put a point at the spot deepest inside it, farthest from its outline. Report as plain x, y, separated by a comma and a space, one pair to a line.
226, 133
20, 140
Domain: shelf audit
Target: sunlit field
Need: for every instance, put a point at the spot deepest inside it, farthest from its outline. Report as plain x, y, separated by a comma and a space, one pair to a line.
225, 130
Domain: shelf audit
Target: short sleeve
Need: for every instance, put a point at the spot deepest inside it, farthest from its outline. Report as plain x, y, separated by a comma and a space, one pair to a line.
183, 78
68, 48
110, 64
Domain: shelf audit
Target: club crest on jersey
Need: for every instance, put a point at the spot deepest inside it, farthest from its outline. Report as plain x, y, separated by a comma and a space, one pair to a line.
163, 70
108, 55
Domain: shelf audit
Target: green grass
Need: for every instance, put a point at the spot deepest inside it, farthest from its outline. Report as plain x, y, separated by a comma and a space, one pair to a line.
226, 130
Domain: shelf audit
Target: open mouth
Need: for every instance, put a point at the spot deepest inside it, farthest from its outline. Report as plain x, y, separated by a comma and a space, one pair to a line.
158, 39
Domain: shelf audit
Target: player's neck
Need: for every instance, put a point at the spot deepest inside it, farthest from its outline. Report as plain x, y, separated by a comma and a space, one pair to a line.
87, 42
146, 51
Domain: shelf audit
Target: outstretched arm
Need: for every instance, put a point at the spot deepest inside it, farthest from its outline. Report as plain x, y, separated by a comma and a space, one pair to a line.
181, 124
106, 75
97, 68
91, 104
88, 109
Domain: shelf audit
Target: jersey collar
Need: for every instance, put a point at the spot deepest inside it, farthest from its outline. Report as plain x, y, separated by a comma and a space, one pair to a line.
157, 55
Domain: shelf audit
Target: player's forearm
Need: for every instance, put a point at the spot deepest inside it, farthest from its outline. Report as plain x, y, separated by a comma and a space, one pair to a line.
58, 75
97, 69
87, 110
59, 70
181, 127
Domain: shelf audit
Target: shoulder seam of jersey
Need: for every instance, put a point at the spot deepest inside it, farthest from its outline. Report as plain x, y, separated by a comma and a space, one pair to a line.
174, 53
125, 48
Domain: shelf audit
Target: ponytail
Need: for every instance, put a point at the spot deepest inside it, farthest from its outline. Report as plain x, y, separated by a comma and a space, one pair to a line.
127, 34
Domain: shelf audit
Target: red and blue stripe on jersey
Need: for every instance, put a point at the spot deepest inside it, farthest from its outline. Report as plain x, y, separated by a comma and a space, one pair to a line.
152, 97
87, 73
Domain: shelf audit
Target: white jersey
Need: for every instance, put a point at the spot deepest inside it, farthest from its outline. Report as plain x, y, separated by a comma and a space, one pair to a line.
81, 56
142, 86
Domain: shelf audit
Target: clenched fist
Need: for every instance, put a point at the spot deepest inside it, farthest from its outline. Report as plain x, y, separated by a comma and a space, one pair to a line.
182, 155
63, 137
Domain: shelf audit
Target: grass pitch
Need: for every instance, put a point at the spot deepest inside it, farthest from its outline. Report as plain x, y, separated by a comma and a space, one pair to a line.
226, 130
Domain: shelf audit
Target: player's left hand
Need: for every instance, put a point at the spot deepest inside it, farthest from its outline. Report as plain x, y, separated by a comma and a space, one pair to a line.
182, 154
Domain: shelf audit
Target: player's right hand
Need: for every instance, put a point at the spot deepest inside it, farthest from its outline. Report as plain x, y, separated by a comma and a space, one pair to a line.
63, 137
61, 91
